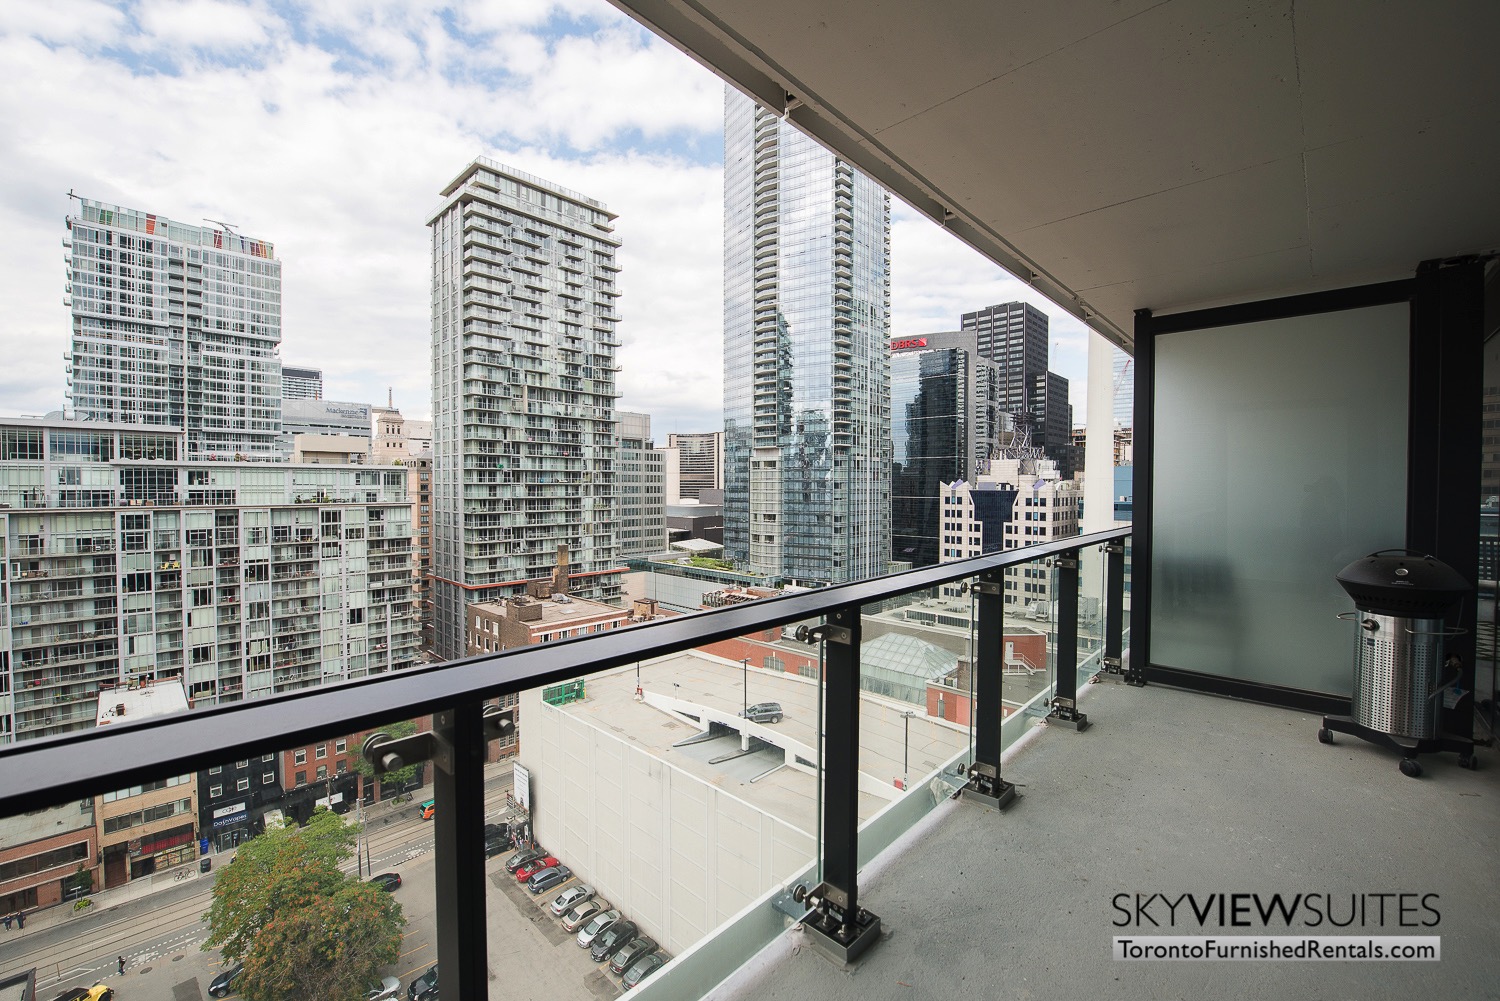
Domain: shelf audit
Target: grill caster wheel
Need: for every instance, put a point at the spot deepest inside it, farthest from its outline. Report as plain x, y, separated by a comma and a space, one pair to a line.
1468, 761
1325, 736
1410, 767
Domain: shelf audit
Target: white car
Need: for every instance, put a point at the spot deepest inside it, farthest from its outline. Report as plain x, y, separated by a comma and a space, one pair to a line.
597, 924
389, 988
570, 898
583, 911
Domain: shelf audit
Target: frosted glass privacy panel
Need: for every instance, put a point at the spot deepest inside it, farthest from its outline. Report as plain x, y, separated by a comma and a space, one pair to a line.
1280, 457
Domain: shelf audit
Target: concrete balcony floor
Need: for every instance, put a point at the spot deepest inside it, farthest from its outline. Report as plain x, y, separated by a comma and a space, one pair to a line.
1171, 792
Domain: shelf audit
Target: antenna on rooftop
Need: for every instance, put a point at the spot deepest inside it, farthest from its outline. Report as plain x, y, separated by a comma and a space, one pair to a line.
227, 227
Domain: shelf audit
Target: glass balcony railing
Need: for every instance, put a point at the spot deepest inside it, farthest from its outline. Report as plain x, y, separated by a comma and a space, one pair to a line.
690, 786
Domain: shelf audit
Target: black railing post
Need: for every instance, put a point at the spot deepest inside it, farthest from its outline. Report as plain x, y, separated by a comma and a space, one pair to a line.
458, 848
985, 783
1114, 614
1065, 654
838, 926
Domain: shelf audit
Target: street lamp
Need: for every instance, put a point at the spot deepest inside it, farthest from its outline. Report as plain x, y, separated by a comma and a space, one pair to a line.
745, 674
906, 750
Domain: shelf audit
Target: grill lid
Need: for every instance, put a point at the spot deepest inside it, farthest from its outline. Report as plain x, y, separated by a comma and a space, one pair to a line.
1403, 582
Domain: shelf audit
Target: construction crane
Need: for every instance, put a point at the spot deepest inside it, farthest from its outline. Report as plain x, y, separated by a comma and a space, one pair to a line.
227, 227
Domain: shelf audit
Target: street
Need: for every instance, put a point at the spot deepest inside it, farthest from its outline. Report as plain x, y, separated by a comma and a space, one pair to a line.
161, 933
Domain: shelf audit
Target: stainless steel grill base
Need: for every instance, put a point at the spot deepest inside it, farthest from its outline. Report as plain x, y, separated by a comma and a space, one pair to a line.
1396, 666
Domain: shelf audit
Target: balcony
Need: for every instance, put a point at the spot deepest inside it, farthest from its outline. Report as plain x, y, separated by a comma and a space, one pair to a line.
1120, 806
1216, 196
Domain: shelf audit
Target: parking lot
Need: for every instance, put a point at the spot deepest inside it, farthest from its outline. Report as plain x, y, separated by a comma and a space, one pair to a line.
531, 955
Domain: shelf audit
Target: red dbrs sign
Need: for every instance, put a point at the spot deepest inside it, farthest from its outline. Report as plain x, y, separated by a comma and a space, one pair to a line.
910, 342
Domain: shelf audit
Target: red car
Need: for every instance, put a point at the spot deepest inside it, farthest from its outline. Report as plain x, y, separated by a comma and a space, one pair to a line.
533, 867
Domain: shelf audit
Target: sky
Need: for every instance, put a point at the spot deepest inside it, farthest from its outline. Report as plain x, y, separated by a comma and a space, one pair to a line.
328, 127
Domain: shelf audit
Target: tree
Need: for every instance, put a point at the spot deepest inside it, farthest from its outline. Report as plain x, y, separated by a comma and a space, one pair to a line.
301, 926
82, 880
401, 776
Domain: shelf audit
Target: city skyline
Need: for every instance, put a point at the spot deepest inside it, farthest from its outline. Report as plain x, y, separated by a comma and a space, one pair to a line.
325, 137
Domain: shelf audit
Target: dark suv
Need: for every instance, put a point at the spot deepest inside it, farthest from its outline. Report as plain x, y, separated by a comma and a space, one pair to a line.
763, 712
424, 987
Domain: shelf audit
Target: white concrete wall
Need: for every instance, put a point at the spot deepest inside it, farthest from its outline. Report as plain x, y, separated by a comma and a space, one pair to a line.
677, 855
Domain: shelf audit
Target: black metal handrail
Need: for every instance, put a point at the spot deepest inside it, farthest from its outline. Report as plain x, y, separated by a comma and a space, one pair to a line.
47, 771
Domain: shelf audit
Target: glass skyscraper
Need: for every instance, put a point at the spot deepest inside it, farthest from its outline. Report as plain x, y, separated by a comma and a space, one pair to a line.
175, 326
945, 426
523, 392
806, 363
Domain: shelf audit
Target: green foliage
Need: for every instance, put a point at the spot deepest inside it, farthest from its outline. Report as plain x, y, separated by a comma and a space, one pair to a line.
302, 927
403, 775
83, 879
709, 563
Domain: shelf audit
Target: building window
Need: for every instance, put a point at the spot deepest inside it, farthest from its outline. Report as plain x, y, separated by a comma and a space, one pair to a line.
322, 751
300, 758
242, 764
268, 778
242, 785
341, 745
322, 772
214, 792
301, 778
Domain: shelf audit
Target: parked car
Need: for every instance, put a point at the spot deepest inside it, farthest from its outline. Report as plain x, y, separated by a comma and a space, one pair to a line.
614, 938
390, 882
496, 831
570, 898
389, 987
535, 866
763, 712
223, 984
428, 809
642, 968
597, 924
98, 992
424, 987
523, 856
541, 882
630, 952
496, 846
584, 912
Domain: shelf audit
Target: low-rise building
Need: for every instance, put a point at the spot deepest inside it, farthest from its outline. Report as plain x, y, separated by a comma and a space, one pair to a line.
42, 852
322, 417
152, 826
233, 798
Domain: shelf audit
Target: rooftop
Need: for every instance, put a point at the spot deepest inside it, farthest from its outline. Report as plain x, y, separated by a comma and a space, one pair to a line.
139, 700
693, 684
556, 611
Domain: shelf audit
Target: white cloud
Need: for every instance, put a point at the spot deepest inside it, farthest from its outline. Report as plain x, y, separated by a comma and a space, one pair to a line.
295, 140
70, 22
202, 24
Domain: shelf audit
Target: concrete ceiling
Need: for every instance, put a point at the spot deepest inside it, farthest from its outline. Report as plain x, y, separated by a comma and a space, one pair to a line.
1135, 154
